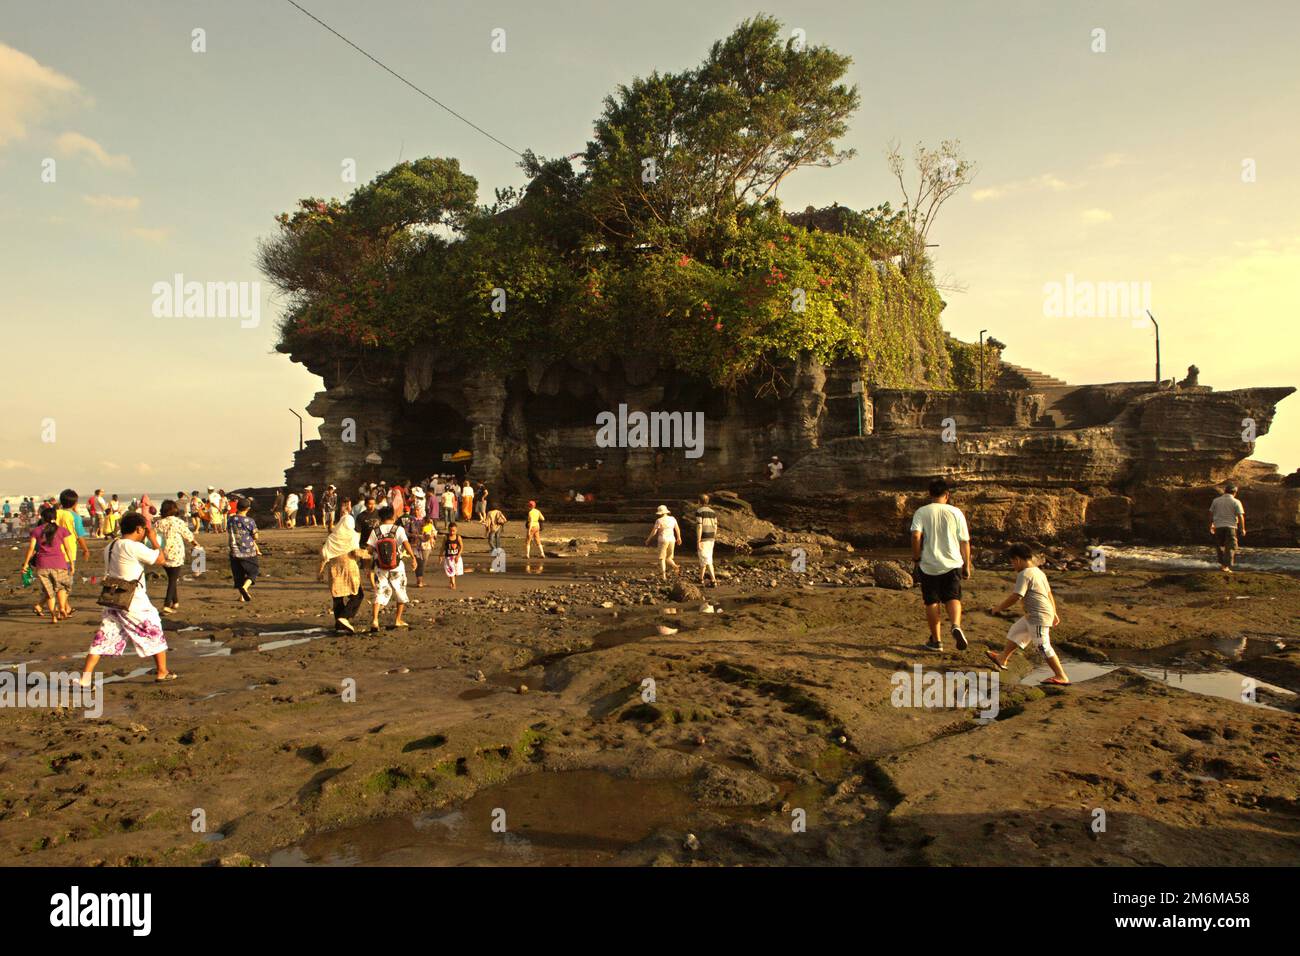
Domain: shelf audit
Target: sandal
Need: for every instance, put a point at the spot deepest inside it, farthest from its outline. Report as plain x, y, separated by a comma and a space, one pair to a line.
994, 658
170, 675
1055, 682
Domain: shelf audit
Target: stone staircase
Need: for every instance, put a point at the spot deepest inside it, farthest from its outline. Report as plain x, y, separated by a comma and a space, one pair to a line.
1015, 376
1058, 412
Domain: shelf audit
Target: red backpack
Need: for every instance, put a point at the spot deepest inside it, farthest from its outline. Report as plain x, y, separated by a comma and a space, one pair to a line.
387, 553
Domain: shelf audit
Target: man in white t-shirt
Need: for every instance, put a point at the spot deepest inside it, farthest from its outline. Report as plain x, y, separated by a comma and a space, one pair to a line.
941, 555
774, 468
291, 510
669, 535
1227, 519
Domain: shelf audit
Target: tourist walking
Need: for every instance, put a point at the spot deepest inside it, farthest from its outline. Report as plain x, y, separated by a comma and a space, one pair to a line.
277, 508
329, 507
137, 624
291, 509
244, 550
1033, 588
453, 562
51, 550
340, 568
941, 556
175, 534
449, 500
669, 535
388, 544
534, 531
706, 534
493, 523
467, 500
1227, 520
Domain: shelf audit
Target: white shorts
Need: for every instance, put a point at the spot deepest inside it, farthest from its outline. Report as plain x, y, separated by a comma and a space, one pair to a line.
390, 583
1022, 633
705, 552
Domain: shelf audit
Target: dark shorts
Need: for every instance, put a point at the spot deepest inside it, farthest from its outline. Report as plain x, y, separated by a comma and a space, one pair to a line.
941, 588
1226, 538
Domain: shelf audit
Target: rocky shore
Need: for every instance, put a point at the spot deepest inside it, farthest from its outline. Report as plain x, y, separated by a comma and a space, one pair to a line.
770, 737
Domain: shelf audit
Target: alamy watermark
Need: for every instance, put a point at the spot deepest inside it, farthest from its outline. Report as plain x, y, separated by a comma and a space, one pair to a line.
651, 430
947, 689
18, 688
208, 300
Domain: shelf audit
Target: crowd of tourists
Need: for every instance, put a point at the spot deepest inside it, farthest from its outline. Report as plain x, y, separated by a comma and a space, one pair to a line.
372, 538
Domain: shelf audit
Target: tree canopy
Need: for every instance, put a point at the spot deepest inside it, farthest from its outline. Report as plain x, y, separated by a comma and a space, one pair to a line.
670, 237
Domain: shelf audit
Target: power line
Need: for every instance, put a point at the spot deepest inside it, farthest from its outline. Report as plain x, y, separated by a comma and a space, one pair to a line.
387, 69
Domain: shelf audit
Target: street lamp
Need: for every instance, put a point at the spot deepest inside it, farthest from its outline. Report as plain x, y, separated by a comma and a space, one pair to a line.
982, 359
1157, 325
299, 417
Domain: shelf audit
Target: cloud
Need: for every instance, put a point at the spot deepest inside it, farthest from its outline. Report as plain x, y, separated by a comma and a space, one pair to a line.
143, 468
1047, 182
28, 91
150, 234
113, 203
109, 465
1097, 215
12, 464
1114, 161
75, 144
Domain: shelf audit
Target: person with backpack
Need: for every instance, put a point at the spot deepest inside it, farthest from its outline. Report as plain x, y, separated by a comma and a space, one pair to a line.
452, 562
389, 545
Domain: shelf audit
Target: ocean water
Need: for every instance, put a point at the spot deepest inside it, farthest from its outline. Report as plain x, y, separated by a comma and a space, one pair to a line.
1191, 558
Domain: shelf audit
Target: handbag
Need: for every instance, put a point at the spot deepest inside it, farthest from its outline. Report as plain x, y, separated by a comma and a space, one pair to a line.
117, 593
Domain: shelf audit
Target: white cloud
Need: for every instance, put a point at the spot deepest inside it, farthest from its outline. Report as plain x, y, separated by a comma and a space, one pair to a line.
1114, 161
150, 234
113, 203
109, 465
1097, 215
75, 144
28, 91
12, 464
1047, 182
143, 468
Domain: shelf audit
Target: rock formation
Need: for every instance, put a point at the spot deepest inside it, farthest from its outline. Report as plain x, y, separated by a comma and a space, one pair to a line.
1046, 461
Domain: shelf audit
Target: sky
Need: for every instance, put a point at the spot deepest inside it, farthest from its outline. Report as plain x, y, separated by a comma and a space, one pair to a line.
1163, 152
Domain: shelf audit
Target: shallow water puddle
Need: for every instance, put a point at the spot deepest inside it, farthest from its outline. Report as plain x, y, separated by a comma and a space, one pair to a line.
313, 632
1189, 558
573, 818
1220, 683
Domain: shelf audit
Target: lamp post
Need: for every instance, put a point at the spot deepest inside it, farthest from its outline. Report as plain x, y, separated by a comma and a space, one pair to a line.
299, 417
1157, 325
859, 391
982, 331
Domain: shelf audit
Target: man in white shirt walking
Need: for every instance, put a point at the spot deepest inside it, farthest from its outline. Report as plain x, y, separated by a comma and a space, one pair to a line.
1227, 517
941, 554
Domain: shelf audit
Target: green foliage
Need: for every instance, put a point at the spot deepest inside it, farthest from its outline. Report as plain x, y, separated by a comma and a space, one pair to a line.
696, 262
965, 359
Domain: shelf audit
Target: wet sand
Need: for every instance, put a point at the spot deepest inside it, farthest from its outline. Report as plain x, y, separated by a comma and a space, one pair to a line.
771, 739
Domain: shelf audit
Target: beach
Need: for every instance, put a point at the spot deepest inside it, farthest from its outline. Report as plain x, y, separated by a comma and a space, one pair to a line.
572, 712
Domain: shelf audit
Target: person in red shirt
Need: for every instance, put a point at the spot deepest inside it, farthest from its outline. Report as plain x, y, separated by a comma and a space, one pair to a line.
309, 506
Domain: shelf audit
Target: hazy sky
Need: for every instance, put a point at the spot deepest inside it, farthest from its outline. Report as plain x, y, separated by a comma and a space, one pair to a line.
1116, 166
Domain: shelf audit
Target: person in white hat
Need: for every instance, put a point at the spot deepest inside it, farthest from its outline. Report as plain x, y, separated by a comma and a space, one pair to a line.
775, 467
418, 502
669, 534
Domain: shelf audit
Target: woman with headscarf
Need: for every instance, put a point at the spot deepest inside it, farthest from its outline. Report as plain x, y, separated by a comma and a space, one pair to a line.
339, 569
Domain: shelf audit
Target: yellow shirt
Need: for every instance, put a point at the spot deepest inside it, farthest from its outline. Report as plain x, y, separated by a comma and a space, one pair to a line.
66, 519
535, 519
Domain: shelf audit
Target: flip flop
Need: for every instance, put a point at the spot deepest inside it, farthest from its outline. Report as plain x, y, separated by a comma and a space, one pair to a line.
994, 658
170, 675
1052, 681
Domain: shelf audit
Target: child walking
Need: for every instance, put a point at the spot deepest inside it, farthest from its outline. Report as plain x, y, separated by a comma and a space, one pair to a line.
1039, 618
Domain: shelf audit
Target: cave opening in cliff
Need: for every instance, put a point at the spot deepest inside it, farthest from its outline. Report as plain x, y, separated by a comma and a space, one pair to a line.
423, 433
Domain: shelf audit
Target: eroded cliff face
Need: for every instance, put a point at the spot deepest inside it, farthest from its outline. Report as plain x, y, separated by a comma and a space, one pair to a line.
1112, 460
